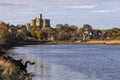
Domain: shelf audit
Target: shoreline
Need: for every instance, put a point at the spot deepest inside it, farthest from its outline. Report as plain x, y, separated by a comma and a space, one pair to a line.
17, 44
106, 42
12, 69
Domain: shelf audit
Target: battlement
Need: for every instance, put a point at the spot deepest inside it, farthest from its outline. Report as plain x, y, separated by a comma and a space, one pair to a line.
40, 22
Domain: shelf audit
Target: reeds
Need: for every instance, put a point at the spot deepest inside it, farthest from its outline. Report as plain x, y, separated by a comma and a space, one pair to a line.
9, 71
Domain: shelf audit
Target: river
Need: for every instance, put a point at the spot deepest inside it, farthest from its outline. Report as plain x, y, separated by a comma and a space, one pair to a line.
71, 62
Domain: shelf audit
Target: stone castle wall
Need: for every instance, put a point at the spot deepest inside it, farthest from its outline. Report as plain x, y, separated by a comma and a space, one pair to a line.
46, 23
33, 22
40, 22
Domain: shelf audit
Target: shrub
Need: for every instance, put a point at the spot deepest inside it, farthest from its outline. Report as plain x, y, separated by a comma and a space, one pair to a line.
21, 36
5, 36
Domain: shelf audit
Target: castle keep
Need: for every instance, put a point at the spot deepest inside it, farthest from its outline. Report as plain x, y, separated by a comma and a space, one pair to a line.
42, 23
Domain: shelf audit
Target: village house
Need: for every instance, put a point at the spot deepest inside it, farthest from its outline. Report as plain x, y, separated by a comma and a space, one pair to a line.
12, 29
87, 32
23, 29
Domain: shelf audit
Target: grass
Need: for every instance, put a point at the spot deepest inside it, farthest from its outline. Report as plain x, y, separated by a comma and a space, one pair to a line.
9, 71
110, 42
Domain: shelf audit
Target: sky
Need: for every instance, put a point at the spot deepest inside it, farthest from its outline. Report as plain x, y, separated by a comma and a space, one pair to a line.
100, 14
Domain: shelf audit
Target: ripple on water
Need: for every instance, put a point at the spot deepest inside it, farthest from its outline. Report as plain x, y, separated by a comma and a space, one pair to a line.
72, 62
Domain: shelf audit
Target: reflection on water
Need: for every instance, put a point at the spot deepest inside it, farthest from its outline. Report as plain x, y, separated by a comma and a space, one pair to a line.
44, 71
71, 62
39, 69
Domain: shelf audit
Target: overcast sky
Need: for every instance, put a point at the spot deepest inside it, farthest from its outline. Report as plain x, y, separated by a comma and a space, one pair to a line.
97, 13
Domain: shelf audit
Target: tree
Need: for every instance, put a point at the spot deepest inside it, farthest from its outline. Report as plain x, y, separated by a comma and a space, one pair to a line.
114, 33
87, 27
59, 26
39, 34
21, 36
5, 36
65, 32
62, 35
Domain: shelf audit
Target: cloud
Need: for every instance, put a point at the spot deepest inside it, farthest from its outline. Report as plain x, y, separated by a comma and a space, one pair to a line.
7, 4
103, 11
69, 7
117, 9
82, 7
12, 4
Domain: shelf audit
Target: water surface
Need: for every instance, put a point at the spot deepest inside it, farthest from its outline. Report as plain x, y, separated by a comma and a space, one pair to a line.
71, 62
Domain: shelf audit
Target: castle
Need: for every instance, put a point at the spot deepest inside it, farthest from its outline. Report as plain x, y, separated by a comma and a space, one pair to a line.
42, 23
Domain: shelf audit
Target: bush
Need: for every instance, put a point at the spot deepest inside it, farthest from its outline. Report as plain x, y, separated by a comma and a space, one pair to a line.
5, 36
21, 36
63, 35
9, 71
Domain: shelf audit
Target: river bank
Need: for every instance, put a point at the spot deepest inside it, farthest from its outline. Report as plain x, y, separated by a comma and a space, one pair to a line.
11, 69
107, 42
22, 43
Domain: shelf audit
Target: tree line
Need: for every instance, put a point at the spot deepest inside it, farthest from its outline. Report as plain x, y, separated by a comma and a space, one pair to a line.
62, 32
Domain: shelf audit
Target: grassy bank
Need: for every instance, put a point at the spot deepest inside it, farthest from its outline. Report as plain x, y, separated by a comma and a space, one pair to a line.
110, 42
10, 69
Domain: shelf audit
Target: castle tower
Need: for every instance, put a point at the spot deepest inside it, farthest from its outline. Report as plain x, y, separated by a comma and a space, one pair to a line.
33, 22
27, 26
39, 22
46, 23
40, 16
